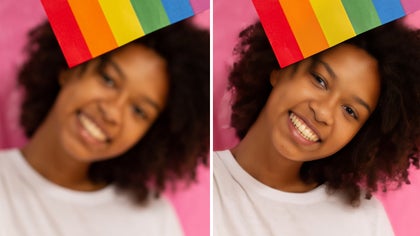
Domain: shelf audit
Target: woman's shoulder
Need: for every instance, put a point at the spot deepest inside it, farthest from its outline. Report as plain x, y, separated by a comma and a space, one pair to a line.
156, 209
159, 207
222, 154
223, 157
8, 156
9, 152
369, 210
225, 167
373, 207
160, 204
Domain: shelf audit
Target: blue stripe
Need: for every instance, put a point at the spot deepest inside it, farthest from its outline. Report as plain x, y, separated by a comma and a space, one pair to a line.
177, 9
388, 10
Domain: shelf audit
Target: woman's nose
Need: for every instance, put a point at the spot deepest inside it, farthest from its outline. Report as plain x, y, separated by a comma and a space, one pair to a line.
112, 109
323, 109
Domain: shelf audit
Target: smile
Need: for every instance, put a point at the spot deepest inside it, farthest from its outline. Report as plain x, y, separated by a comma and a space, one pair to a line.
92, 129
306, 132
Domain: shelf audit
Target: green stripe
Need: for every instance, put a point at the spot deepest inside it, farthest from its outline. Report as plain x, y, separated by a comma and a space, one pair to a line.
362, 14
151, 14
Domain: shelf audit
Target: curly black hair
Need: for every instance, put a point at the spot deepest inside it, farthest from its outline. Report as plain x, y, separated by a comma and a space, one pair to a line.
385, 147
178, 140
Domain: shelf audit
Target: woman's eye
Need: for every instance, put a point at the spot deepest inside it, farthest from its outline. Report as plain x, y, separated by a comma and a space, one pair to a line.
109, 82
350, 111
319, 80
138, 111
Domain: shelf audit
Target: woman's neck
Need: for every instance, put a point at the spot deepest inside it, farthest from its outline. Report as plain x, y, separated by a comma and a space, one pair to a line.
44, 153
257, 156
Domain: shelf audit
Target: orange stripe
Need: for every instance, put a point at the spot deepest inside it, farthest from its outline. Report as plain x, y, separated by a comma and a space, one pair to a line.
305, 26
94, 26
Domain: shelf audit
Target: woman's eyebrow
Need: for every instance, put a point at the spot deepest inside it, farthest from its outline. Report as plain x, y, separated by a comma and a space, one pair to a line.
117, 68
363, 103
326, 66
152, 103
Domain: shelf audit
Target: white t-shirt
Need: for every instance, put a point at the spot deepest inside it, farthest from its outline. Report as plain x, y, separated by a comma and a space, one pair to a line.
31, 205
244, 206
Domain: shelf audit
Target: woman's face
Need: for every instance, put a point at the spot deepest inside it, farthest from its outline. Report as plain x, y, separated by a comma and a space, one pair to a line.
102, 111
317, 106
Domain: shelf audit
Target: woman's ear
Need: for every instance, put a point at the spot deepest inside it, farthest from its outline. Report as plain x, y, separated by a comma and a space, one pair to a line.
64, 76
274, 77
283, 73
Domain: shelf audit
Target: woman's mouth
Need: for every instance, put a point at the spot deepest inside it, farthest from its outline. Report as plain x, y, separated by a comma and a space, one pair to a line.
304, 130
92, 129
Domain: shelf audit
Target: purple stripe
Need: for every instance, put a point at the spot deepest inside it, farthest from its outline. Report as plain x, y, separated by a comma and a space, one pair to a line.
410, 6
200, 5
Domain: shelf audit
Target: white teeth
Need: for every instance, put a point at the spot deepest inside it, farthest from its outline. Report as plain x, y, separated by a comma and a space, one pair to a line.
304, 130
92, 128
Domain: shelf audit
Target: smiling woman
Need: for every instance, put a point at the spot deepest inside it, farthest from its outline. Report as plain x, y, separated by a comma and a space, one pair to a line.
322, 102
105, 109
317, 138
107, 137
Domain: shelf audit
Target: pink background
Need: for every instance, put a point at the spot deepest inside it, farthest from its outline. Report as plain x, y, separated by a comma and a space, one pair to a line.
16, 17
403, 206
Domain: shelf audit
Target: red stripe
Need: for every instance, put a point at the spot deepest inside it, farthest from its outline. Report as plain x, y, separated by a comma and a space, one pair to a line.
278, 31
67, 31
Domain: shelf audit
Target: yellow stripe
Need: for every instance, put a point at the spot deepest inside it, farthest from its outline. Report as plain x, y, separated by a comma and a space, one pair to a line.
122, 20
333, 20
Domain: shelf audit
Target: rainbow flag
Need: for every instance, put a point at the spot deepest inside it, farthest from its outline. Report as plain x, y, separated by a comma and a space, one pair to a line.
88, 28
298, 29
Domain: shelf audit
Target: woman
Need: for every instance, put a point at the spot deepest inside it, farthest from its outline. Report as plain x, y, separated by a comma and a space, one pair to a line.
107, 136
318, 135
